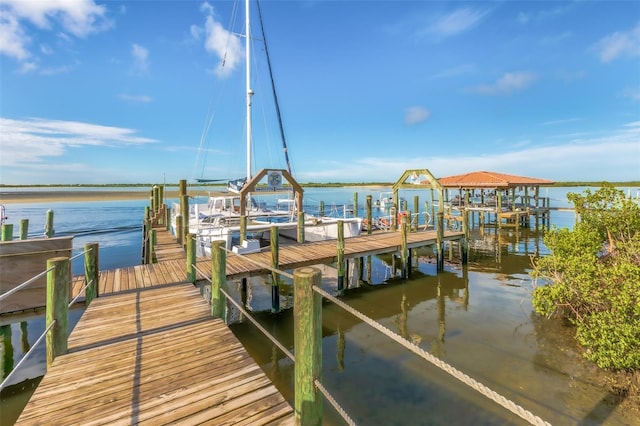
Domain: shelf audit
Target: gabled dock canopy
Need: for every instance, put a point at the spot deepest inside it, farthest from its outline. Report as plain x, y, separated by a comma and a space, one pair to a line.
483, 179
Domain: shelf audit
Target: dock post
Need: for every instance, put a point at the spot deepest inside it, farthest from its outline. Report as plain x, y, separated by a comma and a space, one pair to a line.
91, 275
355, 204
321, 209
7, 231
307, 326
155, 203
439, 242
191, 258
404, 226
179, 236
48, 227
58, 281
243, 228
416, 212
426, 212
465, 241
24, 229
300, 226
368, 213
152, 246
275, 262
184, 211
340, 259
394, 218
218, 279
167, 217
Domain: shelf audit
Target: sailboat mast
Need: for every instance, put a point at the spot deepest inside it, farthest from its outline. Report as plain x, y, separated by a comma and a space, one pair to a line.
248, 85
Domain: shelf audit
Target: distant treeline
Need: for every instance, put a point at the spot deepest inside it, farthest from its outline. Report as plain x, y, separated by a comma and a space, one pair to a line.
308, 184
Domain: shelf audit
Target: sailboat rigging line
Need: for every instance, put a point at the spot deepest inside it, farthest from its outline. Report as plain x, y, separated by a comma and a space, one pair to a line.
232, 19
273, 88
201, 158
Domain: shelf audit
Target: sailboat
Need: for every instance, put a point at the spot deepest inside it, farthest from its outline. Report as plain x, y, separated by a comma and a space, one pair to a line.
220, 218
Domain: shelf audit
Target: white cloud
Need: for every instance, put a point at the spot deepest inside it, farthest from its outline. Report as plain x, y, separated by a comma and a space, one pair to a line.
34, 140
562, 121
611, 157
455, 71
416, 115
140, 59
619, 44
13, 39
632, 92
222, 43
77, 17
507, 84
456, 22
135, 99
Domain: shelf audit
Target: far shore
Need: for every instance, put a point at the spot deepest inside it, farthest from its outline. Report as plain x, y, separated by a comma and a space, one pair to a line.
47, 196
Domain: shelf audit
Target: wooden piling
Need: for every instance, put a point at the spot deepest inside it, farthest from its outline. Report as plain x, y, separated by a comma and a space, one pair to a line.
7, 231
179, 230
369, 215
91, 271
152, 252
355, 204
404, 226
58, 283
439, 241
49, 232
340, 258
416, 211
218, 279
243, 228
465, 240
394, 218
321, 209
275, 263
24, 229
300, 225
307, 319
191, 258
184, 211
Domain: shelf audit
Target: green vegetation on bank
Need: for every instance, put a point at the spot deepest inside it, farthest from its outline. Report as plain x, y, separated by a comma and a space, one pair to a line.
308, 184
593, 277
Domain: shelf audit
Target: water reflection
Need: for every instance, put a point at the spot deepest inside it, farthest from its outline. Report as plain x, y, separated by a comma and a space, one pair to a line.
476, 318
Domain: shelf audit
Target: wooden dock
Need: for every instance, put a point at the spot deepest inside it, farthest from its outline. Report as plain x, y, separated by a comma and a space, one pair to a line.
154, 356
148, 351
171, 267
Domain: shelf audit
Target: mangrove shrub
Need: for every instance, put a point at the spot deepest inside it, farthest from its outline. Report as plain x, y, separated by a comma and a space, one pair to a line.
592, 277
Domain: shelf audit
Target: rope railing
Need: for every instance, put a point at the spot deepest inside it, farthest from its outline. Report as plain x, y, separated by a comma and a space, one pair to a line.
250, 318
474, 384
80, 293
266, 333
334, 403
24, 358
25, 284
36, 277
59, 283
305, 283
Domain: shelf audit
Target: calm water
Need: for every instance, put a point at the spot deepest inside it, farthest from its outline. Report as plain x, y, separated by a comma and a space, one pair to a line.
477, 318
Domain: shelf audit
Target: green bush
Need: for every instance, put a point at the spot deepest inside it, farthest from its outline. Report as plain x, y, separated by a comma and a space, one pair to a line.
592, 277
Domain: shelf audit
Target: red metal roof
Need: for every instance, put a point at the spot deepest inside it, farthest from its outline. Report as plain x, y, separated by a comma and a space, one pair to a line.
484, 179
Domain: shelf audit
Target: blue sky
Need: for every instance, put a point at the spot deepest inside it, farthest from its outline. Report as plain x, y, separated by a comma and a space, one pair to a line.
123, 92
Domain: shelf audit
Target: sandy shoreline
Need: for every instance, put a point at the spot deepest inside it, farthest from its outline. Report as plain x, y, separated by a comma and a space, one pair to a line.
45, 196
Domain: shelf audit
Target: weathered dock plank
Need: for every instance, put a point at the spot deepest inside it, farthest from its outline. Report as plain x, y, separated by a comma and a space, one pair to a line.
154, 356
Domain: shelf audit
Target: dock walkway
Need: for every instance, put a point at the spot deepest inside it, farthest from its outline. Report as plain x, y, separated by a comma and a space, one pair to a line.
154, 356
171, 267
148, 351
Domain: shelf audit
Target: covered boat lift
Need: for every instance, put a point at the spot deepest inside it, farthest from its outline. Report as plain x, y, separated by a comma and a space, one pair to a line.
509, 198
